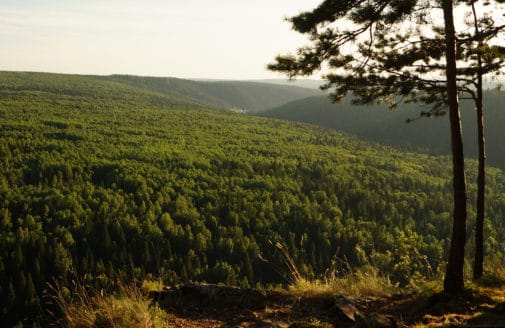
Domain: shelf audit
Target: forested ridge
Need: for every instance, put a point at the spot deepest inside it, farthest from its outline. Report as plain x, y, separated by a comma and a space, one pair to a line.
158, 91
245, 95
102, 181
377, 123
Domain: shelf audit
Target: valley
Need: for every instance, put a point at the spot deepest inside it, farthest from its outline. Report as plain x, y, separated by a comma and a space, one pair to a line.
378, 124
103, 180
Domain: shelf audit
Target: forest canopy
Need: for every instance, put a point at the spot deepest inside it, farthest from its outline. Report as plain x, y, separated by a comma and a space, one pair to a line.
98, 186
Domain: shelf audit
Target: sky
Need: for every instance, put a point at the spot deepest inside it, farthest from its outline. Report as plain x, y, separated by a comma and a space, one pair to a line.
220, 39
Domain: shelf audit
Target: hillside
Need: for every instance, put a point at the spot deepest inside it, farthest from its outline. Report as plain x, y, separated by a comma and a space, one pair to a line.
155, 91
250, 96
376, 123
81, 91
101, 182
303, 83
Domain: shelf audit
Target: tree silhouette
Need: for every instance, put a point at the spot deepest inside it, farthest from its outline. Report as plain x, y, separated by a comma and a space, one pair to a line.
482, 57
390, 51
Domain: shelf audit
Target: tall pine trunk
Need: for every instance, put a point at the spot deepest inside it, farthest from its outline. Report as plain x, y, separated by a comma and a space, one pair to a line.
454, 282
478, 265
481, 190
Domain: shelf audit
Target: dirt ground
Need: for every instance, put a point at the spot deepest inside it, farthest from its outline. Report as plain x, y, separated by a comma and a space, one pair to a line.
204, 305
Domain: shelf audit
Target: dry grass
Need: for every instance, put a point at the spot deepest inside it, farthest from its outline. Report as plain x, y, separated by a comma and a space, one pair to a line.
152, 285
494, 273
129, 307
365, 281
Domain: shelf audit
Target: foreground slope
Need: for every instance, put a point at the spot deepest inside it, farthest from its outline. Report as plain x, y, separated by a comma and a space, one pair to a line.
197, 305
104, 183
376, 123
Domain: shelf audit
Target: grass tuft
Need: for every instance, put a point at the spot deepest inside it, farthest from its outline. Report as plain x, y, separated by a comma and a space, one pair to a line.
85, 307
365, 281
494, 274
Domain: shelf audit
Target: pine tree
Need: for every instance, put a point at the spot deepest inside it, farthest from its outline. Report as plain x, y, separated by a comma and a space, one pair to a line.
482, 58
30, 293
11, 294
453, 281
389, 54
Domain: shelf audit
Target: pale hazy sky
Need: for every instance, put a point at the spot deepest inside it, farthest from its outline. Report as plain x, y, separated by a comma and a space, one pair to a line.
223, 39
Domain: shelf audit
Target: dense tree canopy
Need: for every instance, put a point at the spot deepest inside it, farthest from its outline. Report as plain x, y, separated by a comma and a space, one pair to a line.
112, 188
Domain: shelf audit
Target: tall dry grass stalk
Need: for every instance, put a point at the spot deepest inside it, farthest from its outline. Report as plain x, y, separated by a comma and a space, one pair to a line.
363, 281
85, 307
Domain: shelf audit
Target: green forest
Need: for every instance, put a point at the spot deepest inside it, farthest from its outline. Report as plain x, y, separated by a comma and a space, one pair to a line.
376, 123
102, 179
247, 95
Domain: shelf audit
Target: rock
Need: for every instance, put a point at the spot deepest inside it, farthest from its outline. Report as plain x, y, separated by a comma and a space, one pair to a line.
346, 311
209, 296
270, 324
304, 325
376, 320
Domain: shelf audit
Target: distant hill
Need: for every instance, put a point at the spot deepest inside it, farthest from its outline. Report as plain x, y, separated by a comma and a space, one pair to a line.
302, 83
157, 91
250, 96
379, 124
83, 91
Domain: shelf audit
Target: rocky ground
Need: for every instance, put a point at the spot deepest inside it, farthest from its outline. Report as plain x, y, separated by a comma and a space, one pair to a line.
203, 305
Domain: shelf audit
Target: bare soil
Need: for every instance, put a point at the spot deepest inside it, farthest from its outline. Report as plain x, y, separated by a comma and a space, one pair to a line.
205, 305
